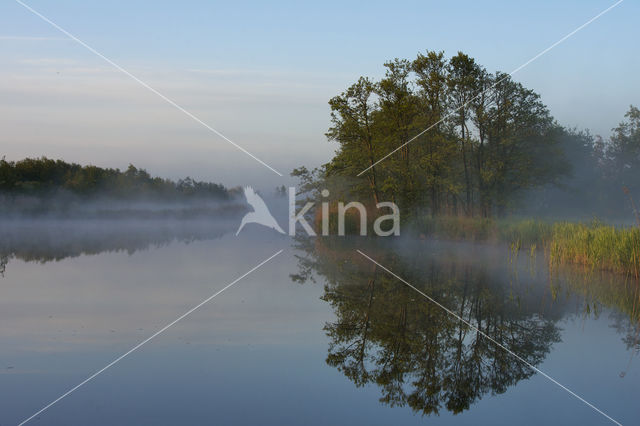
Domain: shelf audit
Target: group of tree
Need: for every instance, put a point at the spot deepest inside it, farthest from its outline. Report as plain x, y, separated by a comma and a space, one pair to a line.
45, 177
464, 141
604, 175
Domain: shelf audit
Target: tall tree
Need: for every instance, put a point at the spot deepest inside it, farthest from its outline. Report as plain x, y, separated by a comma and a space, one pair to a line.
352, 119
463, 82
439, 144
395, 122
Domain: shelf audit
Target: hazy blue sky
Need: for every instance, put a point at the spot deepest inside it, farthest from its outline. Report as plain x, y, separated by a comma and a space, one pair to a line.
262, 73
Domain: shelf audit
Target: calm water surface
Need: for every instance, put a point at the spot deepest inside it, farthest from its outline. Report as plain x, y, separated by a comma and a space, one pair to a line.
319, 335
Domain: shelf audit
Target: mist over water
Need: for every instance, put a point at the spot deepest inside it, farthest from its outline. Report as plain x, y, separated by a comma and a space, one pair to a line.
319, 322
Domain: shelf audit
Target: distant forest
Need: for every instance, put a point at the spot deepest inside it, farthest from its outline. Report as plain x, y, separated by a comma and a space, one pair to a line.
43, 177
492, 147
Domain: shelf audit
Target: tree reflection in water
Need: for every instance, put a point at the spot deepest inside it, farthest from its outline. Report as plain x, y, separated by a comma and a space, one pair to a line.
46, 241
4, 259
386, 334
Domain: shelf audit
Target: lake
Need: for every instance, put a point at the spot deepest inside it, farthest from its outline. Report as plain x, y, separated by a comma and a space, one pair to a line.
317, 335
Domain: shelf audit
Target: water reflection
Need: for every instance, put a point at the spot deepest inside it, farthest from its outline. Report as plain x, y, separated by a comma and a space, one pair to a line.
264, 340
45, 241
600, 290
419, 356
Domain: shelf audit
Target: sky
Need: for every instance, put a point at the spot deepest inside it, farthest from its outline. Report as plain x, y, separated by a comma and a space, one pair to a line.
261, 73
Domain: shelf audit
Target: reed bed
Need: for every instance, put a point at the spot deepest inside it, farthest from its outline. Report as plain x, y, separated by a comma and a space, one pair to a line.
597, 246
594, 245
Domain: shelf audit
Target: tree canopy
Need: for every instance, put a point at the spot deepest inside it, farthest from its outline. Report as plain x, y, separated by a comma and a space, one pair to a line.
488, 136
466, 141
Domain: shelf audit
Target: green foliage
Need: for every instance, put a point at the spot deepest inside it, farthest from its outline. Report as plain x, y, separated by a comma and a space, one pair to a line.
447, 137
46, 177
595, 245
488, 138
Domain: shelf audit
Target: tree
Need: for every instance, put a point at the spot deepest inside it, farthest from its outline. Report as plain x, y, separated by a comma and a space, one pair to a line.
463, 81
439, 142
352, 119
395, 122
625, 150
522, 145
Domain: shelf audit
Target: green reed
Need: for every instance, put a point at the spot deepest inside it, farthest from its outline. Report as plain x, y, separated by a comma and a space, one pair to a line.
597, 246
594, 245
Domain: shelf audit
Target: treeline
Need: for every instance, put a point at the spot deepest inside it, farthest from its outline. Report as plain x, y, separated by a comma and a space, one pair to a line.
604, 176
491, 143
46, 177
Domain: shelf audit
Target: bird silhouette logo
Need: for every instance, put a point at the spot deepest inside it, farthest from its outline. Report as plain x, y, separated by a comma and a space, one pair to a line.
260, 214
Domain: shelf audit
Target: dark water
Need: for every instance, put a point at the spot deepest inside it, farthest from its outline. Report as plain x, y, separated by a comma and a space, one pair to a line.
318, 335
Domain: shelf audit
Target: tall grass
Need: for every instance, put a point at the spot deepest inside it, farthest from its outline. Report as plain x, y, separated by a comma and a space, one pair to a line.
597, 246
525, 233
594, 245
